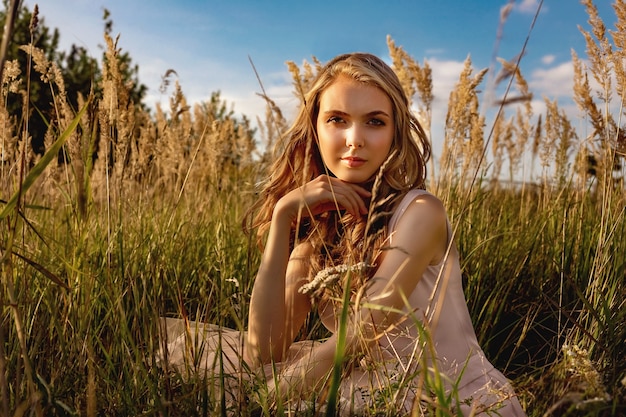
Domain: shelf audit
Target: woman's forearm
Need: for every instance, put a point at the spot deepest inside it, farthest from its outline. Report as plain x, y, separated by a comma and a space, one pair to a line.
266, 321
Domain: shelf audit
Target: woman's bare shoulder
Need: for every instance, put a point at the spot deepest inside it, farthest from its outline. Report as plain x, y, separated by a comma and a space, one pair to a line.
422, 226
422, 207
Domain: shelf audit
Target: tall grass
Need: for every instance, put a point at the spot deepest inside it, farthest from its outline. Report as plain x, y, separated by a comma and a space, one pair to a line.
142, 220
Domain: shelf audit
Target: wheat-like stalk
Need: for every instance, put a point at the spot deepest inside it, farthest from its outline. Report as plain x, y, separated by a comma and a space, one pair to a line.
463, 141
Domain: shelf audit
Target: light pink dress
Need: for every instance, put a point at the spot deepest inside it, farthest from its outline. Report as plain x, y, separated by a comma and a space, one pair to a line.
438, 305
391, 375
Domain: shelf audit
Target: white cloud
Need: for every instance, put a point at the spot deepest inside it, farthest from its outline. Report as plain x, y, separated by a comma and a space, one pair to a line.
445, 76
548, 59
526, 6
555, 82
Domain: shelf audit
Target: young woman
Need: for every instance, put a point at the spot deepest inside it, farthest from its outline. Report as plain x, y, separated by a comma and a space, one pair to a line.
344, 209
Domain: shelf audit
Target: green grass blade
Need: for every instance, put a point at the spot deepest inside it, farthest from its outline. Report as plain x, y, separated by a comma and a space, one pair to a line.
340, 352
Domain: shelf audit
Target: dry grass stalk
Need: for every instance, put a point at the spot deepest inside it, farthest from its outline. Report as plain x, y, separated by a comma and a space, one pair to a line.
302, 81
499, 127
599, 51
520, 125
416, 81
523, 130
173, 141
11, 79
464, 141
583, 96
399, 58
502, 141
11, 83
142, 149
619, 52
116, 119
604, 145
274, 126
551, 129
567, 138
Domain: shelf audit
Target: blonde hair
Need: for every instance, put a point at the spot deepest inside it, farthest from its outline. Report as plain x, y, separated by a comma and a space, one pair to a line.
298, 161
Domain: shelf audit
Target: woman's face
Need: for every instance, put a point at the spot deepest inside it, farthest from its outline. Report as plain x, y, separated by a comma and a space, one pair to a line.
355, 128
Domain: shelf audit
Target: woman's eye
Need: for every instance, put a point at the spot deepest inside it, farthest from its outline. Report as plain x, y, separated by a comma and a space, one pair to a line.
376, 122
335, 119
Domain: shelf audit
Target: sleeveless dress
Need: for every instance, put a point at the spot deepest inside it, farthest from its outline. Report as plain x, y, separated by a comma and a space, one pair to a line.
437, 335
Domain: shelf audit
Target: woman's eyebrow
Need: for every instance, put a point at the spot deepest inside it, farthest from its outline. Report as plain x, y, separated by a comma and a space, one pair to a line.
369, 114
378, 113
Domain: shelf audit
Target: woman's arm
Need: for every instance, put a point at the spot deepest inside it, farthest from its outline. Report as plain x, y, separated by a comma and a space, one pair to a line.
266, 318
420, 239
272, 324
296, 306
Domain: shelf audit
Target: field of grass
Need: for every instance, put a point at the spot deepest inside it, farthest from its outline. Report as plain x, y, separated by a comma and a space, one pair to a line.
142, 219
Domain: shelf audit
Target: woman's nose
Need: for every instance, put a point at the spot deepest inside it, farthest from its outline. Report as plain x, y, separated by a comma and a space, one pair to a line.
354, 138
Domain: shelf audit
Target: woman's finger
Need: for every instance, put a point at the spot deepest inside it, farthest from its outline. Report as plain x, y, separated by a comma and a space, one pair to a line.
342, 195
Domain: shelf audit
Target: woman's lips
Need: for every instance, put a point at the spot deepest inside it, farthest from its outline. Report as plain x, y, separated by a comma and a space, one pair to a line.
353, 162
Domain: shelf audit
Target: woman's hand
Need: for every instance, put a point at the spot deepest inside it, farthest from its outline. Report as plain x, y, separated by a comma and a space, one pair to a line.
323, 194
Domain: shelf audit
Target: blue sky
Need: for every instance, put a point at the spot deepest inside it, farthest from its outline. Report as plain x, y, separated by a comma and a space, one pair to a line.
209, 43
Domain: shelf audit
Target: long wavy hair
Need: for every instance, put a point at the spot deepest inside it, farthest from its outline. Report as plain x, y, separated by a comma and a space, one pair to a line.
339, 238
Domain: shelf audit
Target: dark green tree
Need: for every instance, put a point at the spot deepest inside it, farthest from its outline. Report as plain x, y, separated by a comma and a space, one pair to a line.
80, 71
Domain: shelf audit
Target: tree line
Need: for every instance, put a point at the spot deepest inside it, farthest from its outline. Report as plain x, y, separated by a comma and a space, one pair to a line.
80, 71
